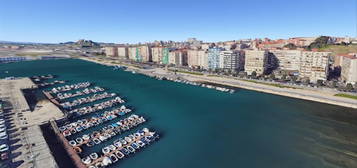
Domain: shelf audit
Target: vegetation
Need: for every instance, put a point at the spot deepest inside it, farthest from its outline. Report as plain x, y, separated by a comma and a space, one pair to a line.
320, 42
187, 72
346, 96
32, 54
291, 46
340, 49
270, 84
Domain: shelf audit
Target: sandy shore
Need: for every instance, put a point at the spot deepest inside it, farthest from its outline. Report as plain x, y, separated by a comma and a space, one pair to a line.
299, 93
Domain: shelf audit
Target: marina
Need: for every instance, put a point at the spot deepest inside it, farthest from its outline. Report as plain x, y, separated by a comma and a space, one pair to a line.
198, 126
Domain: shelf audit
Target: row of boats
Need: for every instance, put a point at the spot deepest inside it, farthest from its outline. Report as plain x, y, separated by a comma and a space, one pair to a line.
106, 133
89, 99
66, 88
97, 107
84, 124
86, 91
120, 148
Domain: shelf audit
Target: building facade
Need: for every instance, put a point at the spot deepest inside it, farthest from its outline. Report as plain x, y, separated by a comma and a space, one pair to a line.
139, 53
349, 69
255, 61
315, 65
178, 57
197, 58
111, 51
232, 60
288, 59
213, 58
123, 52
160, 55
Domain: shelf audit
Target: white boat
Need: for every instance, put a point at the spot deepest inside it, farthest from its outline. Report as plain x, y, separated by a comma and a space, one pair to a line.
72, 143
106, 150
119, 154
86, 160
85, 137
113, 158
112, 147
106, 161
93, 156
79, 140
131, 149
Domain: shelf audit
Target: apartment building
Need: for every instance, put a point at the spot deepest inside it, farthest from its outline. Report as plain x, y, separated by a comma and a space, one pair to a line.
232, 60
160, 55
256, 61
123, 52
288, 59
111, 51
140, 53
178, 57
349, 69
315, 65
197, 58
213, 57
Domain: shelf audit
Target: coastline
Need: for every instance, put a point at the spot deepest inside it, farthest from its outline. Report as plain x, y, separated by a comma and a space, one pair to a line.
298, 93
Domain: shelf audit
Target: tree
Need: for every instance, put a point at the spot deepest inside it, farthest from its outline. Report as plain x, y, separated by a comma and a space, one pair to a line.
272, 76
349, 87
254, 74
355, 87
319, 82
291, 46
320, 42
284, 77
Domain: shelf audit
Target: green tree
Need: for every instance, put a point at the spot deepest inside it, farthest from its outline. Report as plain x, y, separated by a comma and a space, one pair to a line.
291, 46
349, 87
254, 74
320, 42
272, 76
319, 82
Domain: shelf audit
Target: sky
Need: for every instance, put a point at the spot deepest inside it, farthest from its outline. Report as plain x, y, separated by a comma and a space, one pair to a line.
132, 21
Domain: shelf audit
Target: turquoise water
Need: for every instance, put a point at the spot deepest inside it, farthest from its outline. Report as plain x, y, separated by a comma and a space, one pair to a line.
201, 127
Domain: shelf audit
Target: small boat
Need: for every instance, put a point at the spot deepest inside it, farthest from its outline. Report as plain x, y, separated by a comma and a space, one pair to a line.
87, 160
122, 141
72, 143
90, 143
93, 156
125, 151
119, 154
66, 133
106, 150
79, 140
85, 137
113, 158
106, 161
140, 143
99, 164
96, 141
112, 147
135, 145
127, 139
131, 149
77, 149
118, 144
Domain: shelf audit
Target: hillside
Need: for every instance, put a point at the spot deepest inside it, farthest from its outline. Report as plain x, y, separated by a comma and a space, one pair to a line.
340, 49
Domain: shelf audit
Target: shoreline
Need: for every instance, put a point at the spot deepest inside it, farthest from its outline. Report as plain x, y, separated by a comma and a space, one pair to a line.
298, 93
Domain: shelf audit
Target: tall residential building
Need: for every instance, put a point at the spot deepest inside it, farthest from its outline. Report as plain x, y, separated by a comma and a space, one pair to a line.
315, 65
213, 58
288, 59
111, 51
140, 53
197, 58
256, 61
349, 69
178, 57
123, 52
160, 55
233, 60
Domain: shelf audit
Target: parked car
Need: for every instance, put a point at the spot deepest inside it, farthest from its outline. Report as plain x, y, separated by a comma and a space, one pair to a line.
4, 147
4, 156
2, 121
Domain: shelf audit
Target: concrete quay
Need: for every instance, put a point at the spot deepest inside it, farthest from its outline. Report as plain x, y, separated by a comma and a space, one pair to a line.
28, 148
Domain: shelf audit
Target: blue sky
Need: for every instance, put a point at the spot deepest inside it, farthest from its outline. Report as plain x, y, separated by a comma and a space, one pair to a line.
131, 21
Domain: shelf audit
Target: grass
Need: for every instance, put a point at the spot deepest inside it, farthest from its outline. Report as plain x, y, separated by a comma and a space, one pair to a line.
270, 84
346, 96
187, 72
340, 49
32, 54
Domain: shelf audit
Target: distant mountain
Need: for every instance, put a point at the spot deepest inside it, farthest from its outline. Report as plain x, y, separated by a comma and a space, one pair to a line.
86, 43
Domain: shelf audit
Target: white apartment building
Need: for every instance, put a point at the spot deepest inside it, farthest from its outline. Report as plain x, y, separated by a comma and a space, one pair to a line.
349, 69
197, 58
315, 65
178, 57
255, 61
233, 60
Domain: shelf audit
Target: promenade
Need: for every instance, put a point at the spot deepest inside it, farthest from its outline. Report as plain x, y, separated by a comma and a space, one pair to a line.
300, 93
